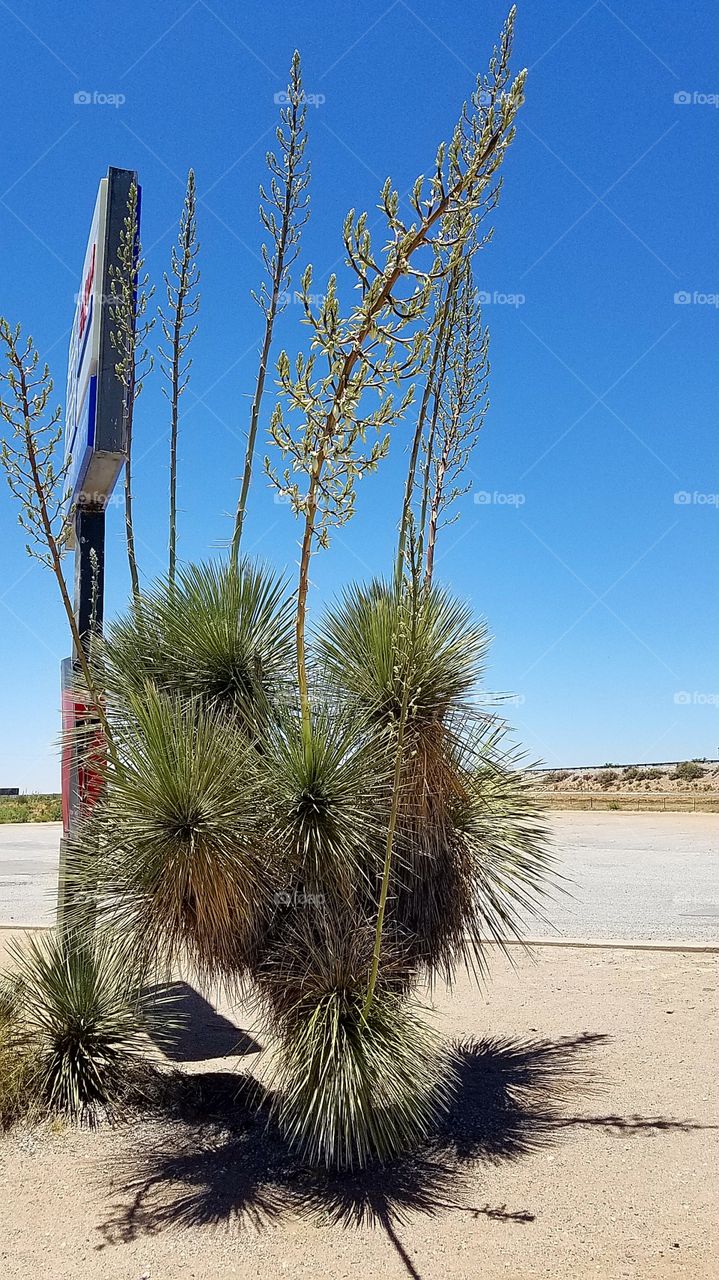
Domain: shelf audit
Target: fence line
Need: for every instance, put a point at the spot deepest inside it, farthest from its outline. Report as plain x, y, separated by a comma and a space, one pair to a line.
658, 801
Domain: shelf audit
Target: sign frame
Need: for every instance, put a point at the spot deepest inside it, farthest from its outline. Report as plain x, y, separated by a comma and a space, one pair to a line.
95, 428
95, 452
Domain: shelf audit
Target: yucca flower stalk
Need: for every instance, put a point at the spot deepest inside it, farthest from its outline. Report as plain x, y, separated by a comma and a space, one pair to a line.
404, 659
381, 344
441, 319
183, 303
284, 210
128, 309
461, 404
38, 484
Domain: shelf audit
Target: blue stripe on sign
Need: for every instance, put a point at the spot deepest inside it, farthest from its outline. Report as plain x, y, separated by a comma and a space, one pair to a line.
85, 440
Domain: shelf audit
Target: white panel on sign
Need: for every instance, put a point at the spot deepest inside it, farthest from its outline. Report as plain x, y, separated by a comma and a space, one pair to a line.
84, 357
95, 427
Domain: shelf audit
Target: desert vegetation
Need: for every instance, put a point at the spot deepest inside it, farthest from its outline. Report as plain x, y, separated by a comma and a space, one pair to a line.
685, 776
317, 812
33, 807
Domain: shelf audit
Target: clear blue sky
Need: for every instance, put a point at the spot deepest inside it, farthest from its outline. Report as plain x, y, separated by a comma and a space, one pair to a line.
597, 585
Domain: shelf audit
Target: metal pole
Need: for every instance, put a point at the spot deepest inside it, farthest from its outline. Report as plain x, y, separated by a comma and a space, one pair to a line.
89, 569
95, 450
89, 610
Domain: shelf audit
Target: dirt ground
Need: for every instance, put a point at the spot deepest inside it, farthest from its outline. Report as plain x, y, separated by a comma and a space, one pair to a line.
583, 1144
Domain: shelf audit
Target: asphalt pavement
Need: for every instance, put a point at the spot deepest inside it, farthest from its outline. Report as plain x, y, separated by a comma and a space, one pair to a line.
629, 876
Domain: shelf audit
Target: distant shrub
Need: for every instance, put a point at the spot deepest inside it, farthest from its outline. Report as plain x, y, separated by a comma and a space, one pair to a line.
653, 774
17, 1068
30, 808
558, 775
688, 771
631, 774
606, 777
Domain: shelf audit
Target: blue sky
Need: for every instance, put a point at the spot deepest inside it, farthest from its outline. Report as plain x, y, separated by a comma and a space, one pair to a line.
596, 581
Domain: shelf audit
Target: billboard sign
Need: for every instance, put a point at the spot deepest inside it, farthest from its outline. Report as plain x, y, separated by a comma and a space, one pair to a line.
94, 420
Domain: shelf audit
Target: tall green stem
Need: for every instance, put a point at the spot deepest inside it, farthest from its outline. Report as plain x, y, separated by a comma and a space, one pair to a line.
396, 787
260, 384
389, 848
417, 442
286, 237
439, 383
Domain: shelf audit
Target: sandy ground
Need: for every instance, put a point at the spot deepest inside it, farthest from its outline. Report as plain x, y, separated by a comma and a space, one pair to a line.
631, 876
583, 1145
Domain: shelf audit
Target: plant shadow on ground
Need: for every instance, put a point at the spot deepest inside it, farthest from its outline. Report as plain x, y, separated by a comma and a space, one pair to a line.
199, 1031
217, 1158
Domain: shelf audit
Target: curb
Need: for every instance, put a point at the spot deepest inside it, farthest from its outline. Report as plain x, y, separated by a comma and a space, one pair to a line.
26, 928
590, 944
611, 944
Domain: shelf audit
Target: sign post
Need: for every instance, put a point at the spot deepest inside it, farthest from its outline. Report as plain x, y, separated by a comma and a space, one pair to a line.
95, 449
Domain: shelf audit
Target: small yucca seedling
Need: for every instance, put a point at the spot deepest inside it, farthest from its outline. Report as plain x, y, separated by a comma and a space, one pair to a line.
78, 1019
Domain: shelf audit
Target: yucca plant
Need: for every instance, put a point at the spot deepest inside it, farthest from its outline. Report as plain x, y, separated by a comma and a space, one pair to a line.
218, 633
326, 790
353, 1088
325, 818
77, 1022
178, 847
466, 817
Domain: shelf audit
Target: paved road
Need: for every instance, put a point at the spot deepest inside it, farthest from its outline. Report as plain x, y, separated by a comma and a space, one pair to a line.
638, 876
29, 853
634, 876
